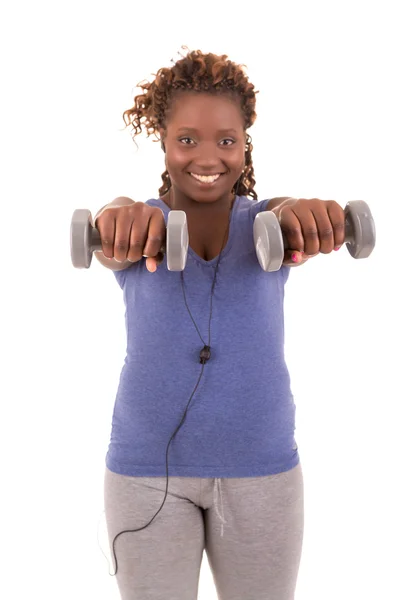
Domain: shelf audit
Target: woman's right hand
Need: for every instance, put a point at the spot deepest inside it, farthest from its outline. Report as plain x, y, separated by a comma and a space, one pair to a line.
133, 231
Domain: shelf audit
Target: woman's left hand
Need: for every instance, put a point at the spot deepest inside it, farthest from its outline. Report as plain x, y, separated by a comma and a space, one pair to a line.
310, 226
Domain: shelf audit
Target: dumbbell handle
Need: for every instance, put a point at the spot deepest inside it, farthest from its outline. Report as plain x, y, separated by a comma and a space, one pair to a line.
97, 245
96, 240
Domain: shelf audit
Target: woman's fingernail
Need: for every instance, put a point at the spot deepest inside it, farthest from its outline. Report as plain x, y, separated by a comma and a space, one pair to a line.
294, 258
336, 248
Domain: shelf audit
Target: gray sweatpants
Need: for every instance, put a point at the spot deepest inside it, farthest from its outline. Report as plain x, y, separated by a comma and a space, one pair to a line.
251, 529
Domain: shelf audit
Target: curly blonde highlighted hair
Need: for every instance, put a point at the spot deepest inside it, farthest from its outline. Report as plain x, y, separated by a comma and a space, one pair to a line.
196, 72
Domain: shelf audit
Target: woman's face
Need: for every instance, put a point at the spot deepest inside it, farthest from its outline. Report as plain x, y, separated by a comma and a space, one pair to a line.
204, 136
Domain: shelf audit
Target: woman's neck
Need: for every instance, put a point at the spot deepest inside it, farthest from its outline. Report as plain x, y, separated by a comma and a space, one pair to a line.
175, 200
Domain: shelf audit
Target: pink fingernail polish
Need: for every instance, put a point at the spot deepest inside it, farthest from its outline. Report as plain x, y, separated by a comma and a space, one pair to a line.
294, 258
336, 248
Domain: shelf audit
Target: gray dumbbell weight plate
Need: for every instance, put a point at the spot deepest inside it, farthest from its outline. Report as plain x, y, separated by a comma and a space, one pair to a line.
177, 240
270, 242
360, 235
85, 239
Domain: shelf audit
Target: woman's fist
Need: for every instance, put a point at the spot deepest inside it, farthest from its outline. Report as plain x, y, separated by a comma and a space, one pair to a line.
133, 231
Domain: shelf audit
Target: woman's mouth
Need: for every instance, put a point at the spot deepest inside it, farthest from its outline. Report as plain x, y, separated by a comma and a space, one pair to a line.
206, 179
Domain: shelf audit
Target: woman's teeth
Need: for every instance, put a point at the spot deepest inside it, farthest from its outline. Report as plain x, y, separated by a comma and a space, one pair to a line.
205, 178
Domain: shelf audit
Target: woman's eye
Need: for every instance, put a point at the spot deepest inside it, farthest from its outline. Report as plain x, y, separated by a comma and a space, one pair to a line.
183, 140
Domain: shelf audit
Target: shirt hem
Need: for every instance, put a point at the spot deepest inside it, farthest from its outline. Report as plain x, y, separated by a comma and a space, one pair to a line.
207, 471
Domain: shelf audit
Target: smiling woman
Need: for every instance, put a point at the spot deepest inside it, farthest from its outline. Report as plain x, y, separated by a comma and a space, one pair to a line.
201, 108
204, 138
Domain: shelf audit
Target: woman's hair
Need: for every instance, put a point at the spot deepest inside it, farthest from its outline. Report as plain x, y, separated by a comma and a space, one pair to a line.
196, 72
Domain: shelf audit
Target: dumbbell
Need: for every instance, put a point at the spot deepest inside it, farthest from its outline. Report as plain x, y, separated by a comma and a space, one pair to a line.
270, 241
85, 239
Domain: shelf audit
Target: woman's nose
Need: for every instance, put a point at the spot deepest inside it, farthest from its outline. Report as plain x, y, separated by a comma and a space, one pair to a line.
208, 157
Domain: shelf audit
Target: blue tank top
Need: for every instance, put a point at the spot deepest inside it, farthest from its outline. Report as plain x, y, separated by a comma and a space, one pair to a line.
241, 419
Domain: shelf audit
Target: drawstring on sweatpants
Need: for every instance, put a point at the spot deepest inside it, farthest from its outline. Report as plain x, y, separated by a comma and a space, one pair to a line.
218, 488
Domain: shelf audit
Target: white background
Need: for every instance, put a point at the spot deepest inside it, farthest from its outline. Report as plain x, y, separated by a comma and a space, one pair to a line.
328, 128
